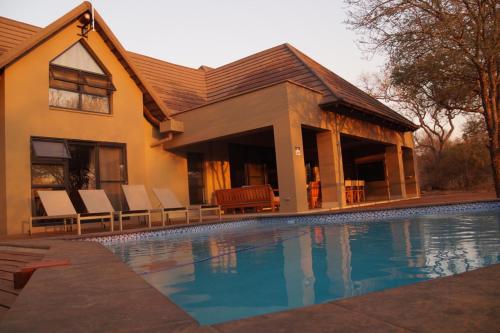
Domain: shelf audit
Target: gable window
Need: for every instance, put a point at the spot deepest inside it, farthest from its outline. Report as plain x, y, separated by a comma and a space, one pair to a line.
77, 81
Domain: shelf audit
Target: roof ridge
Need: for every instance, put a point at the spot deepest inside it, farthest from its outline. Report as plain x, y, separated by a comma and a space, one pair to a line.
248, 57
298, 54
164, 61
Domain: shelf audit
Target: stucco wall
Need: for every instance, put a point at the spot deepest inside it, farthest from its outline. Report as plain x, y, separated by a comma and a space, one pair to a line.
28, 114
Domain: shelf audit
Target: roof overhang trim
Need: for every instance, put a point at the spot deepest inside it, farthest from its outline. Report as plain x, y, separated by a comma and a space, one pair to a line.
348, 109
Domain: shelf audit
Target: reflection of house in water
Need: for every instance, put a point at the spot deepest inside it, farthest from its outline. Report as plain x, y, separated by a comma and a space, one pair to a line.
299, 276
223, 255
338, 255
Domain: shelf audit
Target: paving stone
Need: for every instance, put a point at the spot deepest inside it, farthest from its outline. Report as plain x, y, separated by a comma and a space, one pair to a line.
454, 304
318, 318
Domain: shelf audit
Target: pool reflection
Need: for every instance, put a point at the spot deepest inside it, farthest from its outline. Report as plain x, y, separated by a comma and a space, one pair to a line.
253, 270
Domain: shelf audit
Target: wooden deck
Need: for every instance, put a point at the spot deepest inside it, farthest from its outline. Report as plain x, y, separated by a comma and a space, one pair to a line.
11, 259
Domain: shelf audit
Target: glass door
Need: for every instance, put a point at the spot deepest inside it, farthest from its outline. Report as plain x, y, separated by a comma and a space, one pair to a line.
112, 173
195, 178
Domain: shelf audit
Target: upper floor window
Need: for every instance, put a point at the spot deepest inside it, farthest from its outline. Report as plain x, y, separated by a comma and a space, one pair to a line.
77, 81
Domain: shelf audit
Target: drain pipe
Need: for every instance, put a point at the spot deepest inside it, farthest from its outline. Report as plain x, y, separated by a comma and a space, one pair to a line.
169, 137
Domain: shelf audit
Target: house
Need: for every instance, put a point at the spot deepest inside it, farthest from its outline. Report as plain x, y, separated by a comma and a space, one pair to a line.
79, 111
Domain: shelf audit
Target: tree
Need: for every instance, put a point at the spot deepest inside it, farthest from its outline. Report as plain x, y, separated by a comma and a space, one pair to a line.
446, 48
436, 121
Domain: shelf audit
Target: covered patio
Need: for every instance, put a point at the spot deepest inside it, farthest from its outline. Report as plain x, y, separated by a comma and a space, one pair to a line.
278, 135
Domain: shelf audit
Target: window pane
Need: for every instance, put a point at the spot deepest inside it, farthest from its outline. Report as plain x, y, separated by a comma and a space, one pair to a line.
47, 174
110, 164
95, 103
63, 99
82, 168
55, 149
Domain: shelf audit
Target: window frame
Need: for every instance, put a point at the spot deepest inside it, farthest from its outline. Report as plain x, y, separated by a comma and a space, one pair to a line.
65, 163
81, 81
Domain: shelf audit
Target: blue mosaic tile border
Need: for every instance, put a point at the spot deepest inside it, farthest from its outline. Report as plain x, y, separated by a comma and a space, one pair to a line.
333, 218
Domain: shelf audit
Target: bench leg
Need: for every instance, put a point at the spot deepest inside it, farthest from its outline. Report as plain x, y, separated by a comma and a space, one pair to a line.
112, 222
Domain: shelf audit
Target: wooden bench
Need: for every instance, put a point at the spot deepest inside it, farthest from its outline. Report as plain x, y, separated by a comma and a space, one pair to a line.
258, 197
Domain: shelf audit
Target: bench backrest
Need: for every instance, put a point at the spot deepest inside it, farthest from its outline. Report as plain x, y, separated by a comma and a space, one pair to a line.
247, 194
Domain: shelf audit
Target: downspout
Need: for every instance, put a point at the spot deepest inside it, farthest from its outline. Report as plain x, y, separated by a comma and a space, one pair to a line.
169, 137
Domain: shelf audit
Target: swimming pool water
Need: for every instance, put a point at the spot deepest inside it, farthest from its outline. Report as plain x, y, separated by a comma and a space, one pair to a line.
276, 265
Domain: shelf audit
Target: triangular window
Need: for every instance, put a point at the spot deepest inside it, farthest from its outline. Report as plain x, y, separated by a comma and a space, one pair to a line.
78, 82
78, 57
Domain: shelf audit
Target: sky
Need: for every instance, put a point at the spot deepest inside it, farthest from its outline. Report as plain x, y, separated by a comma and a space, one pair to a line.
213, 33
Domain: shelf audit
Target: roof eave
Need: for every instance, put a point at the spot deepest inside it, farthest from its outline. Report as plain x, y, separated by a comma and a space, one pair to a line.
329, 103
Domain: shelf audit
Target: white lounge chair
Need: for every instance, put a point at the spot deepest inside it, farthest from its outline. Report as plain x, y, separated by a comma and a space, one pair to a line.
138, 204
57, 205
170, 203
96, 202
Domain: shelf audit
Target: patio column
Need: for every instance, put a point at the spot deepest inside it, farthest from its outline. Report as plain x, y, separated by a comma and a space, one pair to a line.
331, 171
395, 171
290, 165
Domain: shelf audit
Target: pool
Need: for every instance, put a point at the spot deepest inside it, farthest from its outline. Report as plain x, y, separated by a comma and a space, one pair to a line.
237, 270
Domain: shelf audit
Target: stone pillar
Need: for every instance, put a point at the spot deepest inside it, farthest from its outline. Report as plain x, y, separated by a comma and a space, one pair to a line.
290, 165
331, 169
411, 176
395, 171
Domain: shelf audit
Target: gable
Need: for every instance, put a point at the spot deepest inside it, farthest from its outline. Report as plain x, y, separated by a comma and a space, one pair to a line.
154, 110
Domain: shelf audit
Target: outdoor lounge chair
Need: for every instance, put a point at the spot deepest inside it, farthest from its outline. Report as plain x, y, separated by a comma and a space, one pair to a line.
138, 204
170, 203
57, 205
97, 202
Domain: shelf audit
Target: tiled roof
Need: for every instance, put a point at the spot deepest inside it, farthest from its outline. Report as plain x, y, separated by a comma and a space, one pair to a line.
13, 33
258, 70
182, 88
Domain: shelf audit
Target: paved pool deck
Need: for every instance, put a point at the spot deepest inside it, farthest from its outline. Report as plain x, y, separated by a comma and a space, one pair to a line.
99, 293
